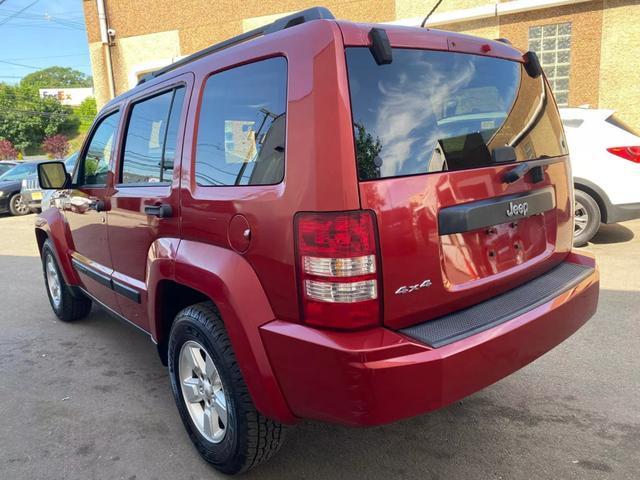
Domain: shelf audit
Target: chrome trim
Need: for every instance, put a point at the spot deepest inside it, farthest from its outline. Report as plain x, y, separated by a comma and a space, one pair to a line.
340, 267
341, 292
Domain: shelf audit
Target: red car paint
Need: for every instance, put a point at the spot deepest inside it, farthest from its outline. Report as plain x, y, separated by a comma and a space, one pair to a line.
293, 370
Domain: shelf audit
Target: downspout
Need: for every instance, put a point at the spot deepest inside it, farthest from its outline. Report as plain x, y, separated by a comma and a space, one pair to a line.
104, 38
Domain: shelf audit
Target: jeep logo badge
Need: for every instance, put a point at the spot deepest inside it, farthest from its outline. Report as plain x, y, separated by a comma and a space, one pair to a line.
518, 209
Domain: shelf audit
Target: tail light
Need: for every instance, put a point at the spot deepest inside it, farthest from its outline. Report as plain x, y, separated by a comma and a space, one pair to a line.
628, 153
337, 269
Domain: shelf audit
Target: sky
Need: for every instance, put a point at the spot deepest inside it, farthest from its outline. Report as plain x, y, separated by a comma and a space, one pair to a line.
41, 33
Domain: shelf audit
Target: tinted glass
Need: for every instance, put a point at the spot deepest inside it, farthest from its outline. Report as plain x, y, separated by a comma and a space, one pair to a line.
5, 167
98, 157
241, 135
432, 111
148, 130
172, 135
70, 162
19, 172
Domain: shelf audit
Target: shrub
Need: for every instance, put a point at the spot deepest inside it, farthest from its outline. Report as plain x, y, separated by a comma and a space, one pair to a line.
56, 146
7, 150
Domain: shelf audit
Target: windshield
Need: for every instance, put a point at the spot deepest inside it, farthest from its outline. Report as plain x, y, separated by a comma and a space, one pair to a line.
19, 172
432, 111
70, 161
5, 167
618, 122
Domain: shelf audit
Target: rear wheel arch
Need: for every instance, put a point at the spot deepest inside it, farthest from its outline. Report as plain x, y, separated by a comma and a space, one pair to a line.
41, 237
51, 225
170, 298
195, 272
596, 193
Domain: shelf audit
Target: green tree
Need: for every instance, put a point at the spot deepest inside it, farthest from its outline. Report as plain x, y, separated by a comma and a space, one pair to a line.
86, 112
57, 77
367, 151
26, 119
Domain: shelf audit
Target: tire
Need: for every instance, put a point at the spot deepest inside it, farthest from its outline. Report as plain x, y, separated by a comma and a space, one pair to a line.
17, 207
587, 218
247, 438
67, 306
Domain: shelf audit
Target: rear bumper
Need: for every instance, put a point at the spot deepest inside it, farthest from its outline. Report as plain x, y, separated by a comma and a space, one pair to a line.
622, 213
379, 376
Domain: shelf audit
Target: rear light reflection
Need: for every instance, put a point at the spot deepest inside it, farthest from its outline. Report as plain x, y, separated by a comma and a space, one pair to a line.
628, 153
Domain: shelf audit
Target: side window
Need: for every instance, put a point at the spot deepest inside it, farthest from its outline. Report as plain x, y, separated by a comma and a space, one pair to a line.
150, 143
241, 133
95, 164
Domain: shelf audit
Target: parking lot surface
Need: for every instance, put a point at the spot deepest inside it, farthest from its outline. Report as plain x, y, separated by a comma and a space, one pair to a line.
91, 399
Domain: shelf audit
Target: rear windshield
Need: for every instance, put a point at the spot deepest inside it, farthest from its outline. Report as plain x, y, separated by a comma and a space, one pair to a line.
431, 111
618, 122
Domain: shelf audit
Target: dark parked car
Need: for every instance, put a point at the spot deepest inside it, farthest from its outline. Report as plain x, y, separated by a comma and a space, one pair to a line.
33, 195
291, 266
11, 199
6, 165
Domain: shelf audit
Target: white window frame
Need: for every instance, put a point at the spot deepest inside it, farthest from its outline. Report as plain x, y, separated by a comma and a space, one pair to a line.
552, 43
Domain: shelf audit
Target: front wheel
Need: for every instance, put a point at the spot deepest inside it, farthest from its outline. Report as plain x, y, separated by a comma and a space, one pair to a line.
586, 218
17, 205
67, 306
211, 395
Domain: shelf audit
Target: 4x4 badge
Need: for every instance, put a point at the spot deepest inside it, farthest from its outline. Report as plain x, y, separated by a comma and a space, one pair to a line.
412, 288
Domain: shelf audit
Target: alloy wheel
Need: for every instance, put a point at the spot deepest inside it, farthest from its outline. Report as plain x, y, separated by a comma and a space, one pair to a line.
53, 281
581, 219
19, 205
203, 391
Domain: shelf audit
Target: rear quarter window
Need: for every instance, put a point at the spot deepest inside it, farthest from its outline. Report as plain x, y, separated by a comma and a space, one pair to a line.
431, 111
241, 131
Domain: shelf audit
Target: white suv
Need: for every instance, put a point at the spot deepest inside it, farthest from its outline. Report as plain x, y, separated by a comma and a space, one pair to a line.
605, 159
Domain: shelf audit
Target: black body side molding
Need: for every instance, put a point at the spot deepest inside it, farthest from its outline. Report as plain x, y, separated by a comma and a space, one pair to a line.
115, 285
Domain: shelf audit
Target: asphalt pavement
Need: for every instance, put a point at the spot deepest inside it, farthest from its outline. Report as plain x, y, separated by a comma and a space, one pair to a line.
90, 400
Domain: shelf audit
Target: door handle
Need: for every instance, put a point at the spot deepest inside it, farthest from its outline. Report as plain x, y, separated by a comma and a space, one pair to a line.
161, 211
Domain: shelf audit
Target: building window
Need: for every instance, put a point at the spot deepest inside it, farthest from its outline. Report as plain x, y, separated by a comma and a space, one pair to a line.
552, 43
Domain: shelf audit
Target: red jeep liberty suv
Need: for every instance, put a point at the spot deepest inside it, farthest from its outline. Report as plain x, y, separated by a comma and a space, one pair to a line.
320, 219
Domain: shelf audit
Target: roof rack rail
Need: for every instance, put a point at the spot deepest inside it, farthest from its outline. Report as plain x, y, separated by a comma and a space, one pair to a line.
315, 13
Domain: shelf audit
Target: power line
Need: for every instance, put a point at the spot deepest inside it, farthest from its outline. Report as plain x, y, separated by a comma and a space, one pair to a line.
43, 58
45, 114
43, 17
7, 19
20, 65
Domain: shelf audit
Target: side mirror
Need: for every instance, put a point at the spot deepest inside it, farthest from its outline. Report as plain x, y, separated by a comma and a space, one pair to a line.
53, 176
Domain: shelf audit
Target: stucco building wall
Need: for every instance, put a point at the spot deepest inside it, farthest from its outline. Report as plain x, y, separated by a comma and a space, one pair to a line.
586, 31
605, 39
620, 59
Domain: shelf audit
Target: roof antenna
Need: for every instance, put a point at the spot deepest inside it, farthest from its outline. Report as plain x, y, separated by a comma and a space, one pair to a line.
430, 13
